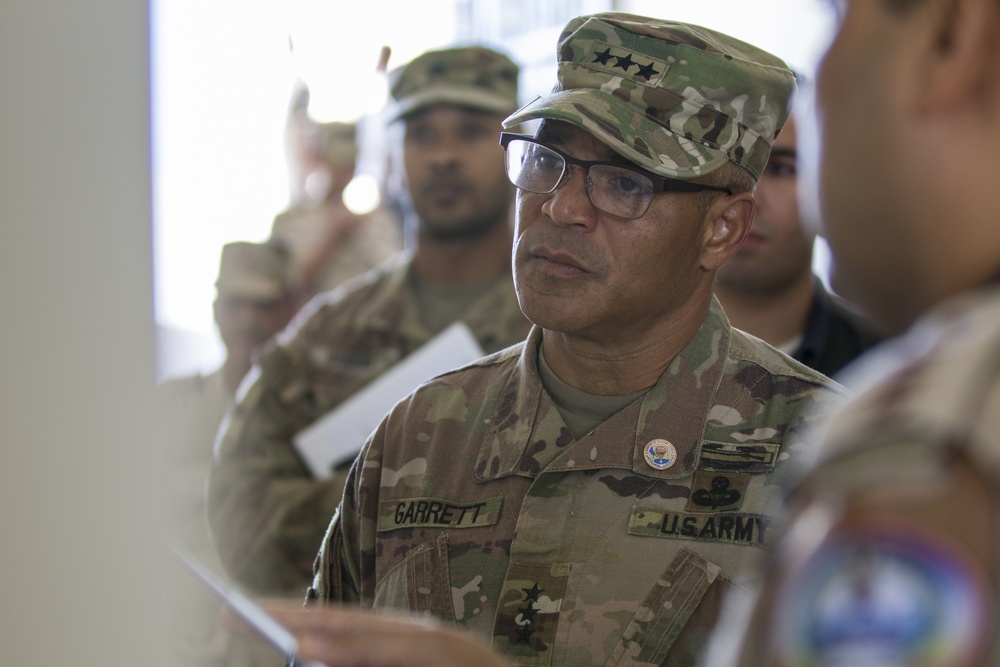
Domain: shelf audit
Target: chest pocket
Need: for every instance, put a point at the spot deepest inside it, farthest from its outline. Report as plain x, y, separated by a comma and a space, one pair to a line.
421, 583
673, 623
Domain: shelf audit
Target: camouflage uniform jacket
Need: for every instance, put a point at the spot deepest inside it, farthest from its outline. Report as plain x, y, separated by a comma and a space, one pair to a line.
922, 397
473, 502
266, 510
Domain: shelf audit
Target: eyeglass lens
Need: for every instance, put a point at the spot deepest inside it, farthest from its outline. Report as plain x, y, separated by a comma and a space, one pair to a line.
622, 192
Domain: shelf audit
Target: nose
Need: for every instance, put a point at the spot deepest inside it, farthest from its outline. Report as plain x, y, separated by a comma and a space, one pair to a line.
569, 205
443, 151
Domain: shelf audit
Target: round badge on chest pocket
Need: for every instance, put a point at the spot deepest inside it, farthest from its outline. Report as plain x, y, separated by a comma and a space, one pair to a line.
660, 454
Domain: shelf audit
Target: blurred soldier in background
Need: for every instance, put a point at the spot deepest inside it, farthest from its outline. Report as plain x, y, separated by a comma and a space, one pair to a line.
253, 303
328, 242
268, 512
769, 289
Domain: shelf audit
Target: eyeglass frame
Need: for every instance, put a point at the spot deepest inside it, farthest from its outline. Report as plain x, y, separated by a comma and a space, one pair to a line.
660, 183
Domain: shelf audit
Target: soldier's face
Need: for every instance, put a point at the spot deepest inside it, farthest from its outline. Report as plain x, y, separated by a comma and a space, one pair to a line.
778, 250
580, 271
245, 324
455, 170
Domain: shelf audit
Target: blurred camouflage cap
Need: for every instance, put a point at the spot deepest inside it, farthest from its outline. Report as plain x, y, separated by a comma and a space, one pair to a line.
677, 99
254, 271
470, 76
337, 142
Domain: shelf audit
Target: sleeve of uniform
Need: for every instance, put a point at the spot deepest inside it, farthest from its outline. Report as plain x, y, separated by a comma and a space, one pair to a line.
266, 511
350, 537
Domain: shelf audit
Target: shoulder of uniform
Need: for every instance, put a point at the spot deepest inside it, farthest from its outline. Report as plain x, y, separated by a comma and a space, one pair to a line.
484, 365
479, 374
367, 291
361, 288
748, 349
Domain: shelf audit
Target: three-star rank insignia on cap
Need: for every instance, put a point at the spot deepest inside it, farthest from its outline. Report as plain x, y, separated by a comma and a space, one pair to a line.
620, 61
660, 454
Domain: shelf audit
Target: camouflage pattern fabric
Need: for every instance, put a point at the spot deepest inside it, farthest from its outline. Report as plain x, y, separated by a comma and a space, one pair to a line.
266, 510
676, 99
932, 391
473, 502
470, 76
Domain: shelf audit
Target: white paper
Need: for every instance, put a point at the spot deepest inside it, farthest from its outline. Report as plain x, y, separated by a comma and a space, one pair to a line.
339, 435
269, 629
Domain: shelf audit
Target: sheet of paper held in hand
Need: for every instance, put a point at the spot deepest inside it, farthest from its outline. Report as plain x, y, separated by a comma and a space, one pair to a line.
263, 623
339, 435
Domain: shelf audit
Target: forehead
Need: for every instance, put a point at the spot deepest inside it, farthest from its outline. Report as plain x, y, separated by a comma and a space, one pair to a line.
451, 113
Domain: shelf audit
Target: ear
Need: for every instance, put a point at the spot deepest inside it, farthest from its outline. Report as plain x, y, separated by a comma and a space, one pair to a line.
728, 223
960, 54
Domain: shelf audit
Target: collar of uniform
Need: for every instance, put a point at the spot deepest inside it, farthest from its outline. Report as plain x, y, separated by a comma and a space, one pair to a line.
675, 409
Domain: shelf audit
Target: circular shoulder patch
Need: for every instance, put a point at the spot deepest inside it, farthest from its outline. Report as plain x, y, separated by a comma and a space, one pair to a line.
660, 454
884, 598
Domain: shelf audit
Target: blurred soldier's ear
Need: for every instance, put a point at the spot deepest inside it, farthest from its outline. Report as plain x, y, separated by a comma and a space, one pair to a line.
960, 46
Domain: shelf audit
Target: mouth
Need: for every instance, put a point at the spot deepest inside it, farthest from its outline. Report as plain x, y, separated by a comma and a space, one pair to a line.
444, 191
557, 262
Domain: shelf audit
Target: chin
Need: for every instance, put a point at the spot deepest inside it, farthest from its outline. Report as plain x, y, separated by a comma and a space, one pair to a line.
456, 230
554, 315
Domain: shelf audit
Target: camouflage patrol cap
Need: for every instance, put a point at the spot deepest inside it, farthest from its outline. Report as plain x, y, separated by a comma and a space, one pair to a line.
677, 99
254, 270
470, 76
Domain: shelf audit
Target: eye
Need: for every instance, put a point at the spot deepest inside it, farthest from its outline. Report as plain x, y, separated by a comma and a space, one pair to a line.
419, 134
539, 160
779, 169
475, 132
622, 182
626, 185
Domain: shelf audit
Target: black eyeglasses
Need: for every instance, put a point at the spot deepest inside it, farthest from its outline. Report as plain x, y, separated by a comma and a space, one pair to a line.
617, 190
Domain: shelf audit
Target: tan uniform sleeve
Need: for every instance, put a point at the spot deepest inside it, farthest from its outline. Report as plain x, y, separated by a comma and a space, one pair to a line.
338, 575
266, 511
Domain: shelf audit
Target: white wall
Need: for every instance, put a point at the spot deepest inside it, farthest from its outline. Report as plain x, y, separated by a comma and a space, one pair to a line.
223, 74
77, 577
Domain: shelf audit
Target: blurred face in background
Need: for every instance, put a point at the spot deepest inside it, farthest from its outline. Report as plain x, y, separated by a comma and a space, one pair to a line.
246, 323
777, 252
455, 171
